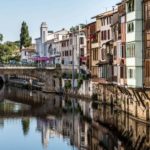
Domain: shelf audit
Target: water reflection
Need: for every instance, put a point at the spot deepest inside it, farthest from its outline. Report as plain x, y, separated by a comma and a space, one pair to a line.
35, 120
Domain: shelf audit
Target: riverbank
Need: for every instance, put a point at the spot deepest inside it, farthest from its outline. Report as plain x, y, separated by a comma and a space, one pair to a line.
23, 84
134, 102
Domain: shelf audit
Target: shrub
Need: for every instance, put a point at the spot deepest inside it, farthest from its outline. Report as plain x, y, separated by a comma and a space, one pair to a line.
68, 84
80, 82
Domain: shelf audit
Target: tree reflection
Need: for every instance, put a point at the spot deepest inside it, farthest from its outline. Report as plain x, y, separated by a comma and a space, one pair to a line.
25, 126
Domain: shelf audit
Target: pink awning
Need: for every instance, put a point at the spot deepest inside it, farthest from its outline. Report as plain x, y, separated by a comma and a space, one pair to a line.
82, 58
41, 59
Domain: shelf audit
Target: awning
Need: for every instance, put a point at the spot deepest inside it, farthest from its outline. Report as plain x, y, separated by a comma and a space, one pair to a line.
41, 59
82, 58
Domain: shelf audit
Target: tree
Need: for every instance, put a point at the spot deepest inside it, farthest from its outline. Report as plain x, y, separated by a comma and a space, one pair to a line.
9, 51
25, 125
1, 37
25, 39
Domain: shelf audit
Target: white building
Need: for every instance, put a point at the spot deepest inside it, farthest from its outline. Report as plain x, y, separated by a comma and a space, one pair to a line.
74, 43
27, 54
134, 50
53, 47
48, 45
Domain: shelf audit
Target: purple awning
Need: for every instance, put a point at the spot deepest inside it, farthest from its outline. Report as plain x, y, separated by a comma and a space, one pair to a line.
41, 59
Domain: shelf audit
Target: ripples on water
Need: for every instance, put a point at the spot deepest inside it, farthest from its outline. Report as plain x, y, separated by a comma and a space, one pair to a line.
32, 120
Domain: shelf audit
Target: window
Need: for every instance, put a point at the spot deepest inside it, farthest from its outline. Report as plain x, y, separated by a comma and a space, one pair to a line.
103, 21
105, 35
102, 37
81, 40
108, 34
70, 41
107, 20
62, 61
131, 73
82, 51
115, 52
148, 40
121, 72
123, 51
67, 43
103, 54
70, 52
147, 10
131, 50
130, 6
130, 27
95, 54
63, 54
147, 70
63, 44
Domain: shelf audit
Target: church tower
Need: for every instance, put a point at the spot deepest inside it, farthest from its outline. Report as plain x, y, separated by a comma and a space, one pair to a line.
44, 32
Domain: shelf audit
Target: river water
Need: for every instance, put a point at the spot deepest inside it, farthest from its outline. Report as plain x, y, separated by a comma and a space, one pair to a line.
33, 120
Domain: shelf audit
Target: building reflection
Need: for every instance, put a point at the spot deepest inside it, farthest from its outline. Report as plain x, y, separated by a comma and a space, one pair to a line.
82, 124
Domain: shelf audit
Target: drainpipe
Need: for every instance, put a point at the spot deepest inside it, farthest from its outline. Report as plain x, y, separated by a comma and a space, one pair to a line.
143, 48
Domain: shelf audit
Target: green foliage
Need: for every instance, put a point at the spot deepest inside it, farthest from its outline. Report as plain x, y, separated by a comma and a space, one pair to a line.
25, 39
9, 51
72, 29
69, 75
25, 125
64, 75
68, 84
1, 37
80, 82
84, 76
76, 75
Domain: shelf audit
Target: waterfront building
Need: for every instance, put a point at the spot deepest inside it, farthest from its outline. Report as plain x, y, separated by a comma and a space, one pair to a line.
53, 47
122, 35
73, 49
106, 47
45, 36
28, 53
91, 37
119, 47
146, 43
95, 48
134, 43
48, 45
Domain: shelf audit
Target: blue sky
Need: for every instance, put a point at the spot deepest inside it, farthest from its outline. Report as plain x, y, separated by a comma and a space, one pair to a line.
57, 13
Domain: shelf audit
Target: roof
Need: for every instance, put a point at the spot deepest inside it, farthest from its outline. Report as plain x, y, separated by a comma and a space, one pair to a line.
30, 48
90, 23
107, 13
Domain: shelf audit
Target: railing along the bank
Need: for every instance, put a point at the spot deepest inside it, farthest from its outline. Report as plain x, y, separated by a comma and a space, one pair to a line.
40, 66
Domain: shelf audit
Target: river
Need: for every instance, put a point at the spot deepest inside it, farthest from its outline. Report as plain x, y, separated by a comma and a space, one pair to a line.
33, 120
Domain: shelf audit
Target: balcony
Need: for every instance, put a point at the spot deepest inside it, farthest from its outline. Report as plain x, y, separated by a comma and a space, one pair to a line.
95, 45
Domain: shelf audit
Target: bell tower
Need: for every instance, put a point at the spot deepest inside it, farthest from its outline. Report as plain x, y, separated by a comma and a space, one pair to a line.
44, 32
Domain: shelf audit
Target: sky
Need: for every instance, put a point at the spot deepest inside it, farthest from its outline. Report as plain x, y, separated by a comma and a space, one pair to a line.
57, 13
